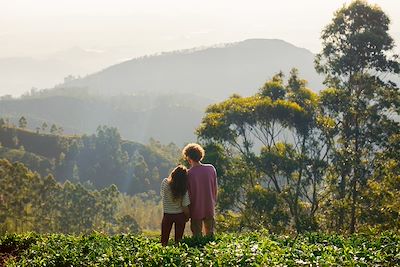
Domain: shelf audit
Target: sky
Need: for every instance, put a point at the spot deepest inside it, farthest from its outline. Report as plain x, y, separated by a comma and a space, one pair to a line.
39, 28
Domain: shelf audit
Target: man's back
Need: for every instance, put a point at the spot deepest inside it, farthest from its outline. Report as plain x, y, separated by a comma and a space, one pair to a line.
202, 187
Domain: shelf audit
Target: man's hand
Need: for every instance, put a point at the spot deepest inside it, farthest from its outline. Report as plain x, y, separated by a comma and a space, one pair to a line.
186, 212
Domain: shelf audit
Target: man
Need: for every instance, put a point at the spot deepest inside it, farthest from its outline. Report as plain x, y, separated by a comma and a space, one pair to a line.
202, 188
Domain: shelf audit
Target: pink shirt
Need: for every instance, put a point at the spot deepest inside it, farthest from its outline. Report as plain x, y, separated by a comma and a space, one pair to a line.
202, 188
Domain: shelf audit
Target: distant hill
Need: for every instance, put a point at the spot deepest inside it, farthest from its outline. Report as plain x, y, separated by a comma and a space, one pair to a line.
214, 72
167, 118
20, 74
161, 96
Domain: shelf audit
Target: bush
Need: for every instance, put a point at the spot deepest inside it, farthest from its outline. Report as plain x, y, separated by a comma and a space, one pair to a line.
249, 249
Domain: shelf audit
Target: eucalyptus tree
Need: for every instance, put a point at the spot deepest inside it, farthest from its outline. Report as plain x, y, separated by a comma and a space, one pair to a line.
46, 199
17, 196
357, 59
380, 199
77, 207
280, 138
107, 202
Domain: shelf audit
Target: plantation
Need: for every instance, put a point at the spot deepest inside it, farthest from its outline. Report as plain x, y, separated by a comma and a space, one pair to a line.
247, 249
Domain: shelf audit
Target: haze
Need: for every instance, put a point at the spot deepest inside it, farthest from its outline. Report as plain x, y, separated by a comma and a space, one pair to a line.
86, 36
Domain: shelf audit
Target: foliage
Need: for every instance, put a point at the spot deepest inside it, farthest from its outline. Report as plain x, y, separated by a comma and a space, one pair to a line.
277, 152
362, 104
101, 159
22, 123
40, 164
357, 40
249, 249
145, 208
287, 159
29, 202
381, 196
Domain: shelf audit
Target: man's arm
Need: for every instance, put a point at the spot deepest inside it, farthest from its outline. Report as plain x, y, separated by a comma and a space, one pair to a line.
185, 206
186, 212
215, 185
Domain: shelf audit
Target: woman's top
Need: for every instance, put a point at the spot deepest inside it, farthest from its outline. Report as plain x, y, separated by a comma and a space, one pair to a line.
170, 205
202, 187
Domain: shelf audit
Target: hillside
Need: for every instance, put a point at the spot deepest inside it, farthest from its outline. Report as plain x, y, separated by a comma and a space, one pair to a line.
215, 72
168, 118
21, 73
100, 159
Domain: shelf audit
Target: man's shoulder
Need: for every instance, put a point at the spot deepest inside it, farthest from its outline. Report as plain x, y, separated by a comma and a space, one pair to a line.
205, 167
210, 167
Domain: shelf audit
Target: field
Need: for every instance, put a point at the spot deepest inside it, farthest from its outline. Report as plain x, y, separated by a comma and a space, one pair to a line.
248, 249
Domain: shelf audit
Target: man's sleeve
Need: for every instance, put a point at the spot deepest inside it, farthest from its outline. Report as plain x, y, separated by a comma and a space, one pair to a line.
188, 187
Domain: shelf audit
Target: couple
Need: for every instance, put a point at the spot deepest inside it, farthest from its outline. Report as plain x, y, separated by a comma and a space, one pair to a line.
189, 194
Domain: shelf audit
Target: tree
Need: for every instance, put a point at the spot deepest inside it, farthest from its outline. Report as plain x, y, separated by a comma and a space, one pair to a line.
17, 192
2, 122
22, 123
107, 205
29, 202
355, 58
47, 201
53, 129
278, 137
128, 225
104, 156
77, 207
44, 126
380, 200
60, 130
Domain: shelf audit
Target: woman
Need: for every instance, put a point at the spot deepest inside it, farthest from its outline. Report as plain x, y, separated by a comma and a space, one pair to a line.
175, 201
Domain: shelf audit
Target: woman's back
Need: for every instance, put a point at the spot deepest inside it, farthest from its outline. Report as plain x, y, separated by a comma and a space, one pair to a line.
171, 205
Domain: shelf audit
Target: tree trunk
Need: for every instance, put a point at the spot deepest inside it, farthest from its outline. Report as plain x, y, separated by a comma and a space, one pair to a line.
342, 193
356, 176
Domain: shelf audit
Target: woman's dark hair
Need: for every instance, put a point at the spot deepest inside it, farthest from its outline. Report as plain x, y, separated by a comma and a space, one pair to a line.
178, 182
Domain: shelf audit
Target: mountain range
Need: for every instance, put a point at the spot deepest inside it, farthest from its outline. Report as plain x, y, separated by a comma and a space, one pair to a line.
213, 72
162, 96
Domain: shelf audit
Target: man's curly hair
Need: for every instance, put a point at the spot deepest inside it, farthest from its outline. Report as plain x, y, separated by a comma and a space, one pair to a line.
194, 152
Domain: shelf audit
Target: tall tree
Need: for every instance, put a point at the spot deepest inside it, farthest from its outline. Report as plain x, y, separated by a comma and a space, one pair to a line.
53, 129
22, 122
356, 57
283, 121
44, 126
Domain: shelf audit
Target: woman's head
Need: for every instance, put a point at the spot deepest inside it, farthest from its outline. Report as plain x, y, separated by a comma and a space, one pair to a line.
178, 181
193, 152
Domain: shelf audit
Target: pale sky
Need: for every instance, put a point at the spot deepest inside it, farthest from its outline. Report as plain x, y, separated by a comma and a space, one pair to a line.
41, 27
43, 41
